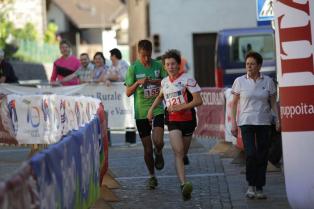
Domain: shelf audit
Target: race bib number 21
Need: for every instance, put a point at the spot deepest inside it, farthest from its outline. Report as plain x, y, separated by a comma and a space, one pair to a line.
175, 98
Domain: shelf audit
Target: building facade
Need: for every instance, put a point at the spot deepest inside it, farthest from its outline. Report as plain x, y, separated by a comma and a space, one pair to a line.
190, 26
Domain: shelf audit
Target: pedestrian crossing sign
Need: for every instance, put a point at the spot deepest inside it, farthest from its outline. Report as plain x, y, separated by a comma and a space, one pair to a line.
264, 10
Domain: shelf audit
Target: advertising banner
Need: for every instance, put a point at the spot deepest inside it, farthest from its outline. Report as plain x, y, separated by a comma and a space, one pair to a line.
118, 106
68, 172
44, 119
228, 115
7, 135
211, 115
294, 25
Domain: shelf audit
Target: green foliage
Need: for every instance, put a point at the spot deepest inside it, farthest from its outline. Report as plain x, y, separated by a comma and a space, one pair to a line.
9, 34
28, 33
50, 34
23, 43
6, 28
6, 1
34, 51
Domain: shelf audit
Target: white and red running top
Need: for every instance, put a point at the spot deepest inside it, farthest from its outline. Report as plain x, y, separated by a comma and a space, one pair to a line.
176, 92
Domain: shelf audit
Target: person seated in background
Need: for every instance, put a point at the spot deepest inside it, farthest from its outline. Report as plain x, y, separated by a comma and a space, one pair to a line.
84, 73
65, 65
7, 74
119, 67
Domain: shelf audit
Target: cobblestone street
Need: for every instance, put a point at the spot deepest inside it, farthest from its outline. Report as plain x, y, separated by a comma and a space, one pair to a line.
217, 182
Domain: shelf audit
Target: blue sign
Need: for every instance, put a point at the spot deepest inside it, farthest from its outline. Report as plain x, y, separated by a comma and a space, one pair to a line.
264, 9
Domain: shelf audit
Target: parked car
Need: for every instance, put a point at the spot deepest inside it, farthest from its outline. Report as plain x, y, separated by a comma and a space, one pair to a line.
232, 46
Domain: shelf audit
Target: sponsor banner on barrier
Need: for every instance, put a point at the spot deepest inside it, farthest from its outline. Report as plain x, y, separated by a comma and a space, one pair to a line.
118, 106
23, 90
104, 161
7, 135
211, 115
68, 173
44, 119
228, 115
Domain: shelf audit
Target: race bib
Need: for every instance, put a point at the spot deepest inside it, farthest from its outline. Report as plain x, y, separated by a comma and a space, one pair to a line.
151, 91
174, 98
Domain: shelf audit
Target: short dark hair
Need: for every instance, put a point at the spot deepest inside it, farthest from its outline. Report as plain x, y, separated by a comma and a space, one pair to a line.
84, 54
101, 55
64, 41
116, 52
145, 45
172, 53
258, 58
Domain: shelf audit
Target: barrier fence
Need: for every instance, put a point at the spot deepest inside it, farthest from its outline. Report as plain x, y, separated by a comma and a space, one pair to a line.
118, 106
214, 116
211, 114
68, 173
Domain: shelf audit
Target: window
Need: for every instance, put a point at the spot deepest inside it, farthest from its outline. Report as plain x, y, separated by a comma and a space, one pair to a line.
262, 43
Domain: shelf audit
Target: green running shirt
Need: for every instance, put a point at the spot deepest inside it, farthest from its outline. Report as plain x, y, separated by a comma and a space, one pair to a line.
145, 95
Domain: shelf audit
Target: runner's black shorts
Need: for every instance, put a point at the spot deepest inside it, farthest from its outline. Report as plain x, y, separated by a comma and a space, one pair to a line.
186, 127
144, 127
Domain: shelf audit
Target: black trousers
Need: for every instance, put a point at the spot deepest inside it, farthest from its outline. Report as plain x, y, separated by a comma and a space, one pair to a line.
275, 150
256, 140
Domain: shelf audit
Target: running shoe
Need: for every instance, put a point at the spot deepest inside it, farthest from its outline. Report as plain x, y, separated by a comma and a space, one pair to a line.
159, 160
250, 193
260, 194
152, 182
186, 190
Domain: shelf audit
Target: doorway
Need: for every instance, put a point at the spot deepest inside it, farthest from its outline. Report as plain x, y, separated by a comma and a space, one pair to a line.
204, 58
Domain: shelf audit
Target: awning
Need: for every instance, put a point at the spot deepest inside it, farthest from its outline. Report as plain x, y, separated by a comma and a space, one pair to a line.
92, 13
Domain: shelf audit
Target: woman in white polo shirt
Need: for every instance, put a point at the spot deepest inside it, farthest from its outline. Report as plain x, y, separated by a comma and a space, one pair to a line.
256, 95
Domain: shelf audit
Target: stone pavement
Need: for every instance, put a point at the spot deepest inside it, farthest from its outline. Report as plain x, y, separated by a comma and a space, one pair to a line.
11, 159
217, 182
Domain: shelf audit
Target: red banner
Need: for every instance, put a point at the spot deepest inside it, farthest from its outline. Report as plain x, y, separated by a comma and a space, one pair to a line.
103, 128
211, 115
296, 108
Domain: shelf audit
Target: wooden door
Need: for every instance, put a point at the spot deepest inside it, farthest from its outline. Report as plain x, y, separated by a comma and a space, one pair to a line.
204, 58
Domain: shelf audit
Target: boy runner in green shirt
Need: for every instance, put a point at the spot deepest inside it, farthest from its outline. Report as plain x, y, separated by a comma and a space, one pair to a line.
143, 81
